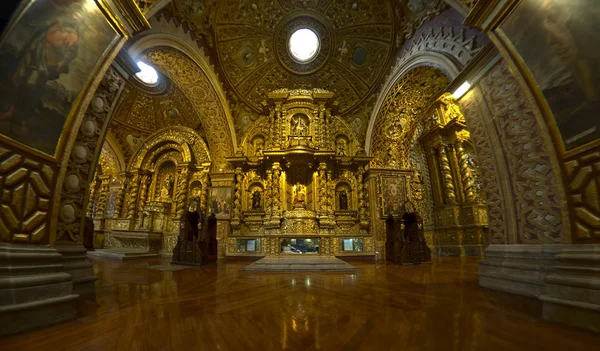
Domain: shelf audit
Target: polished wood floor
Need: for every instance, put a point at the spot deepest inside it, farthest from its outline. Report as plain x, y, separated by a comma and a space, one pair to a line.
221, 307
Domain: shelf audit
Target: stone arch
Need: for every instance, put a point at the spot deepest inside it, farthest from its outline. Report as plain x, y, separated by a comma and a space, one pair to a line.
176, 55
432, 59
182, 139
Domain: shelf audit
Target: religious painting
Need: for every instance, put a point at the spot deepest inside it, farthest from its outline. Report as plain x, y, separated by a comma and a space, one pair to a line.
393, 195
220, 202
47, 58
559, 42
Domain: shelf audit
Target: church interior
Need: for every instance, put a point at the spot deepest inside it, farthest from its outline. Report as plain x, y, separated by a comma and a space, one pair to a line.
300, 175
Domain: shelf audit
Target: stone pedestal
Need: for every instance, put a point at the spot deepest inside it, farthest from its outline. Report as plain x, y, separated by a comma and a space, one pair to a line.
572, 290
517, 269
74, 258
35, 290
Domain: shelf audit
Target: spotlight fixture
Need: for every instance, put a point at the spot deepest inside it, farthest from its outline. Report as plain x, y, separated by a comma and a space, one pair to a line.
462, 90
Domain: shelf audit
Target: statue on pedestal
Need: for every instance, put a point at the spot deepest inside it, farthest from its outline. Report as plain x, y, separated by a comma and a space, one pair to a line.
167, 188
299, 195
256, 200
299, 126
343, 200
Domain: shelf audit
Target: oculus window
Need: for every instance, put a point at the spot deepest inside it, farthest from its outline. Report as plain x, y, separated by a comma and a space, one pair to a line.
147, 74
304, 45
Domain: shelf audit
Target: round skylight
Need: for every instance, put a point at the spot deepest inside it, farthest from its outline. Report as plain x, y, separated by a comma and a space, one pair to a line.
147, 74
304, 45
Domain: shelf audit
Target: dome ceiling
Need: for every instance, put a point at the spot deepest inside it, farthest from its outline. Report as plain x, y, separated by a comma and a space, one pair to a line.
249, 39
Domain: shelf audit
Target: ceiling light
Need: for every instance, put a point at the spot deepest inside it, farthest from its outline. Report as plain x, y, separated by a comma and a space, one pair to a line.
304, 45
462, 90
147, 73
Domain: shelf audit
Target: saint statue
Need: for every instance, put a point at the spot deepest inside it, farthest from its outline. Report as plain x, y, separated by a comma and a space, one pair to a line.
341, 147
256, 200
167, 188
299, 127
299, 194
343, 200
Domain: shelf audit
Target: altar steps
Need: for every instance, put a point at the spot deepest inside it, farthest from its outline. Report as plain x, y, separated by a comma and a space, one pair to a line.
122, 254
300, 264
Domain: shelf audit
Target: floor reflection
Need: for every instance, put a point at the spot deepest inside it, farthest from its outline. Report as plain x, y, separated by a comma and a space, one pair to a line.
153, 305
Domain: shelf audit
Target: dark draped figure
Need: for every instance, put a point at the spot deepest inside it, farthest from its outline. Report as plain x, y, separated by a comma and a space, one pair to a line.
192, 246
405, 239
211, 234
256, 200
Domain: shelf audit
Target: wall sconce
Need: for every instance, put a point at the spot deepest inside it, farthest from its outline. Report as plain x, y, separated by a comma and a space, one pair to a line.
462, 90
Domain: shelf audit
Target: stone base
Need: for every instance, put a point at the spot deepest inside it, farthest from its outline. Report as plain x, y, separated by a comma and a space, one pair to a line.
572, 292
35, 291
300, 264
75, 263
459, 250
517, 269
123, 254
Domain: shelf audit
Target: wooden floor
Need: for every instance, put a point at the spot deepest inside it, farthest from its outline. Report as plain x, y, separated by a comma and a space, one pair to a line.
221, 307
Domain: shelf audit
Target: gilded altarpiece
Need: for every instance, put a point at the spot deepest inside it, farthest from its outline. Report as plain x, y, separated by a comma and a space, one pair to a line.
168, 174
461, 222
299, 181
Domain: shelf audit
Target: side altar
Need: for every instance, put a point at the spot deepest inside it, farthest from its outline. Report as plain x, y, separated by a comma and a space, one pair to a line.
299, 182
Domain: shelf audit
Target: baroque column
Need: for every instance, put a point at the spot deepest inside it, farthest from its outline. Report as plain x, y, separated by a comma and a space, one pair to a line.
447, 175
237, 196
92, 202
204, 193
276, 188
362, 210
124, 180
146, 178
465, 172
133, 195
182, 190
102, 196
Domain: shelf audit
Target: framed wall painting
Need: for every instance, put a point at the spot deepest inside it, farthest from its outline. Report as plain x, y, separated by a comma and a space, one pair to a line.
393, 195
48, 57
558, 40
220, 202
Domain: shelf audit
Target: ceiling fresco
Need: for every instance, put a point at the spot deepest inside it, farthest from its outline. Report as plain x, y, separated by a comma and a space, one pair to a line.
248, 42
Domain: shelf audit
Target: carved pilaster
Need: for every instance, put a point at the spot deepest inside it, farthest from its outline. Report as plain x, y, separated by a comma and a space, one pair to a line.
446, 175
330, 193
322, 189
465, 172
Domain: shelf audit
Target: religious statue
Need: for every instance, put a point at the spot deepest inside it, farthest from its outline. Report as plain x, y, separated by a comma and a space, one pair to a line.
256, 200
299, 127
343, 200
167, 188
341, 147
259, 147
299, 194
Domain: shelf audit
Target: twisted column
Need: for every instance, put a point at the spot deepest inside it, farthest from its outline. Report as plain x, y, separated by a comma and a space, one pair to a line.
133, 195
330, 193
322, 188
102, 197
465, 172
237, 196
362, 211
276, 188
144, 184
182, 191
92, 202
268, 193
204, 193
447, 175
120, 199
